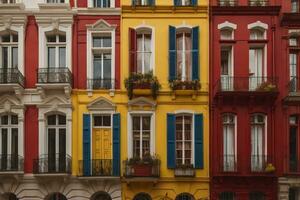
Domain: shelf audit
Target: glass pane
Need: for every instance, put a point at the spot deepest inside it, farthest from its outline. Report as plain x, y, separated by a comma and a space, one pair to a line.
136, 123
4, 140
62, 150
224, 62
51, 150
293, 149
51, 119
4, 57
293, 42
106, 120
14, 59
295, 6
147, 43
51, 38
6, 38
140, 42
226, 34
146, 123
188, 41
179, 64
14, 141
139, 62
51, 56
147, 62
107, 66
98, 121
15, 37
106, 42
4, 119
62, 38
61, 119
98, 67
14, 119
179, 41
97, 42
62, 57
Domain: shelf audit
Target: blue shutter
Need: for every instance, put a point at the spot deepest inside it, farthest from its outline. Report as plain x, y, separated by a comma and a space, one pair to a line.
194, 2
195, 53
116, 144
198, 135
86, 145
133, 3
171, 141
175, 2
152, 2
172, 53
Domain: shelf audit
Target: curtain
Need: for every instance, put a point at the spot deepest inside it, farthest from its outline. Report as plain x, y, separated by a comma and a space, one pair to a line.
139, 53
147, 52
179, 64
257, 150
188, 56
228, 147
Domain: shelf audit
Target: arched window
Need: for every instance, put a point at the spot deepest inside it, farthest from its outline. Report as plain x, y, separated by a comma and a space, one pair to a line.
227, 196
226, 34
9, 50
9, 196
56, 135
56, 49
101, 196
9, 142
56, 196
258, 143
257, 34
142, 196
229, 142
184, 196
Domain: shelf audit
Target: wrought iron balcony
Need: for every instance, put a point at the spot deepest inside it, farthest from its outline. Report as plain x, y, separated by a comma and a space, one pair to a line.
143, 3
134, 168
99, 167
11, 76
228, 163
98, 84
261, 163
11, 162
258, 2
52, 164
55, 75
227, 2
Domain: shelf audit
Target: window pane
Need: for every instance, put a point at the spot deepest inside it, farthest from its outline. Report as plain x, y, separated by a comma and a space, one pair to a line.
139, 62
51, 150
51, 120
106, 42
61, 119
62, 57
227, 196
107, 66
4, 119
51, 56
146, 123
136, 123
293, 42
147, 61
4, 140
293, 149
62, 141
98, 67
14, 59
15, 37
226, 34
4, 57
14, 119
14, 141
6, 38
51, 38
295, 6
62, 38
98, 121
96, 41
106, 120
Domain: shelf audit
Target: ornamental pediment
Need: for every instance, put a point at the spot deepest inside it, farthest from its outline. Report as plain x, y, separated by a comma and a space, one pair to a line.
141, 103
101, 25
101, 104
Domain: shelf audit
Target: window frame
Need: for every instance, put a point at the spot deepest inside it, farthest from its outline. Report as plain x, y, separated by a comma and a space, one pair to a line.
143, 51
57, 45
91, 4
9, 126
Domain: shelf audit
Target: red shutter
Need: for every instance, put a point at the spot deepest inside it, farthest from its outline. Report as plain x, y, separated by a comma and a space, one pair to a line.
132, 50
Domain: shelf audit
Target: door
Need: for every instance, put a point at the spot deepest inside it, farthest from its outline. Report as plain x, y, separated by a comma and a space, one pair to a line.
226, 69
255, 68
102, 151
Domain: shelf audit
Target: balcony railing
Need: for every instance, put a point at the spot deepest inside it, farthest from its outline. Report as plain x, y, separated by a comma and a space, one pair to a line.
54, 75
10, 1
52, 164
259, 163
186, 3
247, 84
100, 167
100, 84
227, 3
142, 169
228, 163
143, 2
258, 2
11, 162
11, 76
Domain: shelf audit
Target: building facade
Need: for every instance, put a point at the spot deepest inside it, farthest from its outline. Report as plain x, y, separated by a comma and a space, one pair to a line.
245, 102
164, 135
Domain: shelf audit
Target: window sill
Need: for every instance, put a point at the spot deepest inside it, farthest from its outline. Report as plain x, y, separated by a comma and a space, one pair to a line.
257, 41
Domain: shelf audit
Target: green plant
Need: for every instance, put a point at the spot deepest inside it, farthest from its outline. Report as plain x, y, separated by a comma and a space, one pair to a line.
266, 86
142, 81
182, 85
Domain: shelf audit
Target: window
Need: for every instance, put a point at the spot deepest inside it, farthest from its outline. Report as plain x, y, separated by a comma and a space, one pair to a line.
55, 1
293, 62
227, 196
294, 6
144, 52
141, 130
57, 196
56, 136
258, 147
256, 67
226, 68
256, 196
102, 121
257, 34
185, 2
229, 145
184, 55
102, 3
142, 196
294, 194
56, 50
226, 34
102, 61
143, 2
183, 140
293, 144
9, 50
9, 142
184, 196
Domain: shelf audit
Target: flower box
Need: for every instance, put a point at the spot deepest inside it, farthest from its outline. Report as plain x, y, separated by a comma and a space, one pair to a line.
142, 170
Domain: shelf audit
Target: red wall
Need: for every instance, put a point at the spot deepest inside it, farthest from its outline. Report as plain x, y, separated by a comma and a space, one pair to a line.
31, 137
79, 48
31, 52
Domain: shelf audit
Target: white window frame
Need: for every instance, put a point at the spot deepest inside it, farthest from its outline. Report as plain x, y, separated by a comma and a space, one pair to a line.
265, 150
91, 4
57, 44
148, 29
43, 55
9, 128
10, 45
94, 30
130, 129
56, 2
227, 25
20, 31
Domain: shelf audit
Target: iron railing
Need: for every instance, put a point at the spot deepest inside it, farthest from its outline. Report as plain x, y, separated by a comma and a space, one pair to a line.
258, 2
11, 75
143, 2
102, 3
187, 3
9, 1
151, 169
259, 163
96, 167
244, 84
47, 164
11, 162
54, 75
227, 2
228, 163
100, 84
55, 1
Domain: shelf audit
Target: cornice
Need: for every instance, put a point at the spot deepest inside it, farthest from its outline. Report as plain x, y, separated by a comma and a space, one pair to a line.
98, 11
165, 9
291, 20
245, 10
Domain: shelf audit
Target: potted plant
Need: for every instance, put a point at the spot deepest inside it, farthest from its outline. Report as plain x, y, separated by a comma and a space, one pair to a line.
141, 83
270, 168
185, 170
266, 87
184, 85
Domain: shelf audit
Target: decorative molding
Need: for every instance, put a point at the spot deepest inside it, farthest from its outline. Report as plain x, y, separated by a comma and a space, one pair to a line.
258, 24
101, 25
101, 104
227, 24
141, 103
